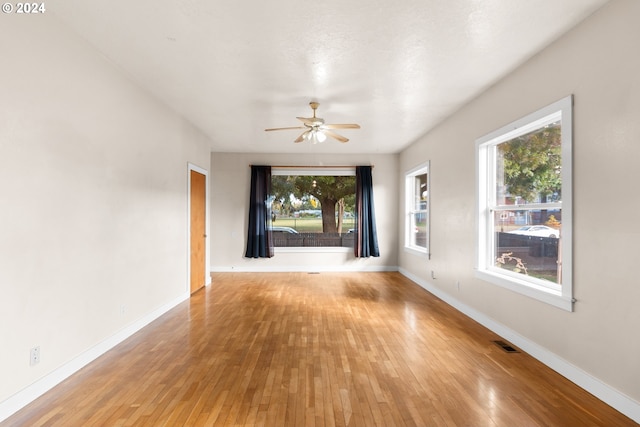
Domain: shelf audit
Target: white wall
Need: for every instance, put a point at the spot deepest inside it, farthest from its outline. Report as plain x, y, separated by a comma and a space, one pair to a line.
599, 63
93, 201
230, 182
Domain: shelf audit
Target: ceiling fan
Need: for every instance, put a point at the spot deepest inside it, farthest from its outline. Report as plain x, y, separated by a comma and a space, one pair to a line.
316, 130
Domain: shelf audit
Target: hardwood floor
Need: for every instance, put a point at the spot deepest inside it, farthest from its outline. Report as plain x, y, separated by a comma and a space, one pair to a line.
329, 349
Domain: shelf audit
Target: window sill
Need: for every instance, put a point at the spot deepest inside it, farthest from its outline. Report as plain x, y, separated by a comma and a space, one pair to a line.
540, 293
416, 251
312, 249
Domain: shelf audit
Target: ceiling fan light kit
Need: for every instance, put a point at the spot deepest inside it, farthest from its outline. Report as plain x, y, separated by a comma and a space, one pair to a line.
314, 136
316, 130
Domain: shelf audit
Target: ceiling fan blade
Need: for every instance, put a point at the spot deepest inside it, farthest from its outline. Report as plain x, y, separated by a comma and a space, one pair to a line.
294, 127
335, 135
301, 137
307, 120
342, 126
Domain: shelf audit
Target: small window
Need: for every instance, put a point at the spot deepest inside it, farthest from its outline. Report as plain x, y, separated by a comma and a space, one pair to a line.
524, 205
417, 209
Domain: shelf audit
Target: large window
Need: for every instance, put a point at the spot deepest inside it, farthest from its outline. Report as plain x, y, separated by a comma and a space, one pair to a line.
417, 209
313, 207
524, 205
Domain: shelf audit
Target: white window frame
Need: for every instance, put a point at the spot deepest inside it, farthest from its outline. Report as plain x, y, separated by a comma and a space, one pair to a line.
410, 210
558, 295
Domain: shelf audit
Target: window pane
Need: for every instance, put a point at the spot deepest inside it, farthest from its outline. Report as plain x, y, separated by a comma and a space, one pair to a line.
527, 242
419, 230
313, 211
420, 192
528, 168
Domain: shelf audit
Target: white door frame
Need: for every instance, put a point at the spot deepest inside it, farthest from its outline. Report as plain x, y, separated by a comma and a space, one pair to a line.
207, 267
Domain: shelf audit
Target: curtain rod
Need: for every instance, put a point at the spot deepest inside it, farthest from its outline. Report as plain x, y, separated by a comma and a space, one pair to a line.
319, 167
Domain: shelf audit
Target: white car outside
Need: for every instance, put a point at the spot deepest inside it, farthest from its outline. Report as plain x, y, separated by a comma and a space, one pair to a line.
537, 231
286, 230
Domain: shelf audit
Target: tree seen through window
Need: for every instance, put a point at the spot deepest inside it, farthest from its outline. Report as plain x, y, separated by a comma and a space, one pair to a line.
313, 210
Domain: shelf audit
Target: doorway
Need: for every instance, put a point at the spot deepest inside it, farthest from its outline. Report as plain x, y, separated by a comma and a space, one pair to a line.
197, 228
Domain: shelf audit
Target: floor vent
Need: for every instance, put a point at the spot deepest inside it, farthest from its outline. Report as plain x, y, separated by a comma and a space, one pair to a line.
313, 272
506, 347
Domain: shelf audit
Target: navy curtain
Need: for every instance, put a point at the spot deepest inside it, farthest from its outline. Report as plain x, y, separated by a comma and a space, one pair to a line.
366, 243
259, 241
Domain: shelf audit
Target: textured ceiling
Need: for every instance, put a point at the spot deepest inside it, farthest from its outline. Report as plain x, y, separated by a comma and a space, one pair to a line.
234, 68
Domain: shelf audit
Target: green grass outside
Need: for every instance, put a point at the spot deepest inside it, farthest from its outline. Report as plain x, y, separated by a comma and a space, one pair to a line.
310, 225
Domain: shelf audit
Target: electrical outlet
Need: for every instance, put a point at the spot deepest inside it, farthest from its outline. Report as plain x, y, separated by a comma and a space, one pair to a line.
123, 309
433, 275
458, 285
34, 356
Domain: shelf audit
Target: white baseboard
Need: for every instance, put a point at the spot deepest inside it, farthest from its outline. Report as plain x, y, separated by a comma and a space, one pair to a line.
21, 399
302, 268
593, 385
